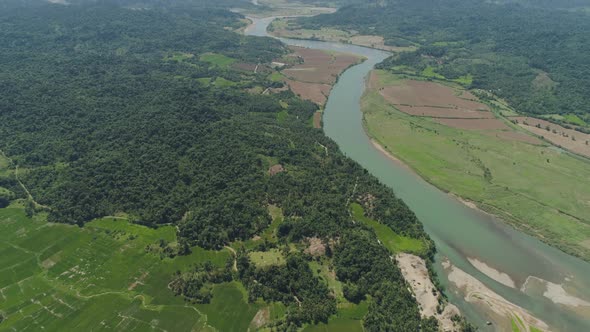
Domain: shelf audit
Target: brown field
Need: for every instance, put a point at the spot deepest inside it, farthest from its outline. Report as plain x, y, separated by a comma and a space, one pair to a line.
446, 105
569, 139
319, 66
442, 112
423, 93
473, 124
317, 120
312, 79
310, 91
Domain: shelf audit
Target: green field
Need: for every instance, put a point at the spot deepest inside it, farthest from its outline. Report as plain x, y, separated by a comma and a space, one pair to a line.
267, 258
574, 119
392, 241
276, 77
229, 310
180, 56
282, 116
268, 234
57, 277
337, 325
222, 82
322, 269
429, 72
464, 80
218, 60
348, 319
540, 189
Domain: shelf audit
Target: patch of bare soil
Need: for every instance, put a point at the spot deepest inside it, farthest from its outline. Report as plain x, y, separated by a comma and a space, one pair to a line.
585, 243
319, 66
261, 318
48, 263
543, 82
316, 71
423, 93
275, 169
317, 93
317, 120
315, 247
51, 261
373, 81
569, 139
138, 281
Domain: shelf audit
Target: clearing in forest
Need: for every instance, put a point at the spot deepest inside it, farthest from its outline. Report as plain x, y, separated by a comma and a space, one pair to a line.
392, 241
219, 60
267, 258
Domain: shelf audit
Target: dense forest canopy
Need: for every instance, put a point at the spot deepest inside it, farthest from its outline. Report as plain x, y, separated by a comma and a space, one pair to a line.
113, 110
538, 58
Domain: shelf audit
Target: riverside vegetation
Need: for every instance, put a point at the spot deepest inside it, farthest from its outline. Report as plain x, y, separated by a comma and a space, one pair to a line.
145, 185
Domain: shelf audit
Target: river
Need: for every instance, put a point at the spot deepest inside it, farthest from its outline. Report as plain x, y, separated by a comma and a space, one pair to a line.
460, 232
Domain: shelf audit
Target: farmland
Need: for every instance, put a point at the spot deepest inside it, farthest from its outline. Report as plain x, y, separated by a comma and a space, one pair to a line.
57, 277
569, 139
310, 73
502, 169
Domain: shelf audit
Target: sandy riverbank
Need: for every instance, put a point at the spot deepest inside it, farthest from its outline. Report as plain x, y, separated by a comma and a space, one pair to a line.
555, 292
499, 276
416, 274
504, 312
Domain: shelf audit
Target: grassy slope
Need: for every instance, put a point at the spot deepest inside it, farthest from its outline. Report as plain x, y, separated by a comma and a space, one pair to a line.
530, 184
392, 241
64, 278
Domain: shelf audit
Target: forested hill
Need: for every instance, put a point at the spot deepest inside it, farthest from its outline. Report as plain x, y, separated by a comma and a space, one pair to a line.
537, 58
98, 111
156, 117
